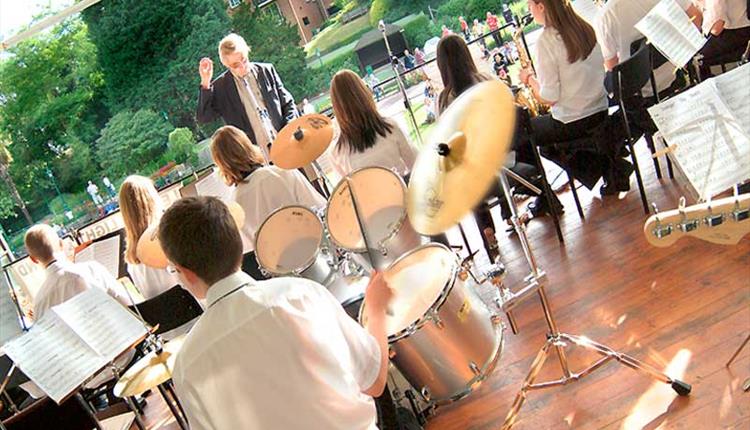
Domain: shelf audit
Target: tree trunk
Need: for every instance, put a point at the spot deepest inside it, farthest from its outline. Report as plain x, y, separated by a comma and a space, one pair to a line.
15, 195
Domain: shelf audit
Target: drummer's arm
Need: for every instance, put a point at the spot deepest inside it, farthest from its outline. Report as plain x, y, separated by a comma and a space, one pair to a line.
377, 296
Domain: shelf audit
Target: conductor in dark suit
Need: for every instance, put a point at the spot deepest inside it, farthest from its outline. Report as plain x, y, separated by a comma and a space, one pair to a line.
249, 96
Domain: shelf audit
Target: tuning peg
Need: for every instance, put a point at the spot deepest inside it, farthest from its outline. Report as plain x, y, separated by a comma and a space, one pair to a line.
659, 230
712, 220
739, 214
685, 224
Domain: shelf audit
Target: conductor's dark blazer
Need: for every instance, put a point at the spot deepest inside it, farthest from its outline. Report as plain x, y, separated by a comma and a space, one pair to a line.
222, 99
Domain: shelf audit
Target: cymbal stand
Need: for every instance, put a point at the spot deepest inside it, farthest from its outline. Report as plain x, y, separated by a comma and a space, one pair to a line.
393, 60
557, 340
321, 178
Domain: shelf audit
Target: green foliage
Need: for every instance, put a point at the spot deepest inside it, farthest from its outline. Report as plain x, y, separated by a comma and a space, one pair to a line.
378, 9
149, 52
182, 146
131, 140
419, 30
470, 9
338, 35
51, 105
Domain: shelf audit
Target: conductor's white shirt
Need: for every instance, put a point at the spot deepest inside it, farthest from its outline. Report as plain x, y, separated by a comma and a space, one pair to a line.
267, 189
576, 89
276, 354
615, 31
391, 151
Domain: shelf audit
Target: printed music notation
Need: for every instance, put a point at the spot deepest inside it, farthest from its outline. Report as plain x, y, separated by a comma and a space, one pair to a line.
73, 341
708, 126
10, 324
670, 30
106, 252
213, 185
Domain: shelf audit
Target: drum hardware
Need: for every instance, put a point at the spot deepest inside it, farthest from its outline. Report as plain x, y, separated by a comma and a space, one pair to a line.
399, 81
439, 197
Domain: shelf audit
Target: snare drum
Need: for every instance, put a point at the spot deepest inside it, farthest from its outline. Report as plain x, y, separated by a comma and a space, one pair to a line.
442, 337
381, 198
290, 242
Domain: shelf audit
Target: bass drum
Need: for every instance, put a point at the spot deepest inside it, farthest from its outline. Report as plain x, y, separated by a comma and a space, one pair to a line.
443, 338
381, 198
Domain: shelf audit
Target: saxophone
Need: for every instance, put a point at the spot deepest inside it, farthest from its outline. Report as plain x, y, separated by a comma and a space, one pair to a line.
525, 96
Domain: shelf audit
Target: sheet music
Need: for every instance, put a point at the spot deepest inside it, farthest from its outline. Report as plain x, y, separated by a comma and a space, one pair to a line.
586, 9
10, 325
106, 252
735, 92
100, 321
54, 357
670, 30
711, 148
213, 185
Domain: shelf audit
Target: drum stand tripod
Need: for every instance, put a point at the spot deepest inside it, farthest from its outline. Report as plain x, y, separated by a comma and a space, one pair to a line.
555, 339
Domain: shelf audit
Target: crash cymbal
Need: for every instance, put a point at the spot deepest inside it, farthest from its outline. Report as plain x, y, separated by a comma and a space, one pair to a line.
454, 171
149, 249
150, 371
302, 141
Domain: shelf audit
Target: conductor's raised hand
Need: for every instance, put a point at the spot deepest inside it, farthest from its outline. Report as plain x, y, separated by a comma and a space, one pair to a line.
206, 70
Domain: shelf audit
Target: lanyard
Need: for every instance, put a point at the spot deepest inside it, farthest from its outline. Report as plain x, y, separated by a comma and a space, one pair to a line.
228, 293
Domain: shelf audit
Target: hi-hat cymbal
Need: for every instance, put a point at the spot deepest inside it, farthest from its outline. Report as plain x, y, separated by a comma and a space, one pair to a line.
302, 141
149, 371
467, 148
149, 249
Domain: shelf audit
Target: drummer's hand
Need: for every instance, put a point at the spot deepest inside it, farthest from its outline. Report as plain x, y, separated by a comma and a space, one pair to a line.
378, 293
206, 70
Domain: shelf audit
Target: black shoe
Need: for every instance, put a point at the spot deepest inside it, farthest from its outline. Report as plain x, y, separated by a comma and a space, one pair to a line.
539, 207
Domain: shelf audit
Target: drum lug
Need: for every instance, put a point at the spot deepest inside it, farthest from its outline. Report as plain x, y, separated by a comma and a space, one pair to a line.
437, 320
496, 319
474, 368
383, 250
391, 353
425, 393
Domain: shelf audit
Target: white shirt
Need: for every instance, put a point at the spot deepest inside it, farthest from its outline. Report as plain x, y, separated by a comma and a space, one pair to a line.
64, 280
267, 189
276, 354
615, 31
732, 12
92, 189
308, 108
392, 151
256, 109
151, 281
577, 89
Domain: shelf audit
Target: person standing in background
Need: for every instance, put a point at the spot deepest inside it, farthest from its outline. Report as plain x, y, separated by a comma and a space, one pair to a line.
493, 25
464, 28
93, 191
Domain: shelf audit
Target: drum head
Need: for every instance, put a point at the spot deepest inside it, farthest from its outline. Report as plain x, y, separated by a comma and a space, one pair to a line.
381, 198
418, 280
288, 240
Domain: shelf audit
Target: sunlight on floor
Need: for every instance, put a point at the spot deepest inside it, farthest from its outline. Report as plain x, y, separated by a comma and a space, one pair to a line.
657, 399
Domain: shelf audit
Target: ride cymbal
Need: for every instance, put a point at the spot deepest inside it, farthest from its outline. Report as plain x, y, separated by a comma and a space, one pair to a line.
467, 148
151, 370
302, 141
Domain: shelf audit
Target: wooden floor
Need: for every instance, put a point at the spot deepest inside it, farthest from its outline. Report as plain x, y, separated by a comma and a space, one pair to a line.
684, 309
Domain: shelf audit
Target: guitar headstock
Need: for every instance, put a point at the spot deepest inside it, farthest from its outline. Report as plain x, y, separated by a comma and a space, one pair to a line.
725, 222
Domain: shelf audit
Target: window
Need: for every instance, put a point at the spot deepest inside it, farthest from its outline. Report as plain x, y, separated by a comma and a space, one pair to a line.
306, 20
234, 3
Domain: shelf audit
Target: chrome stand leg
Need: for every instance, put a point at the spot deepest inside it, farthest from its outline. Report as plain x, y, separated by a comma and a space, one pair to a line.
89, 411
169, 398
736, 353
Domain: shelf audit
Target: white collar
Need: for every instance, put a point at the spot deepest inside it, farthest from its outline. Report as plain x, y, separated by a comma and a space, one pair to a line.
225, 286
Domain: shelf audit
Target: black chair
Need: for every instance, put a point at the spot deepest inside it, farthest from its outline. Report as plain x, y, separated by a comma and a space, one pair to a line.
628, 78
44, 414
170, 309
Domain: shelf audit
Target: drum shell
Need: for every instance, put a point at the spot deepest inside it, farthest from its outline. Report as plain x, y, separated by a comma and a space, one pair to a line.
399, 243
452, 348
320, 270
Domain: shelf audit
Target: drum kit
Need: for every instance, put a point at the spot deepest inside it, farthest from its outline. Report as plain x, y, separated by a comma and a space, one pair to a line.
444, 340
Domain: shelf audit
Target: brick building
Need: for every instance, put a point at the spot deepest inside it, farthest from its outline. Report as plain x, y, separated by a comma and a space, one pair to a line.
307, 15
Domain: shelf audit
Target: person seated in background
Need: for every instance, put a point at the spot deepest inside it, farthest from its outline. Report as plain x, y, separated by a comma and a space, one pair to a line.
64, 279
615, 31
276, 354
259, 189
500, 66
409, 61
570, 78
366, 138
141, 206
727, 25
459, 73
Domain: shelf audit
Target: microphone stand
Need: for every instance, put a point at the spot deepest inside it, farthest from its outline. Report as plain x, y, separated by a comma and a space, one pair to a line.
394, 60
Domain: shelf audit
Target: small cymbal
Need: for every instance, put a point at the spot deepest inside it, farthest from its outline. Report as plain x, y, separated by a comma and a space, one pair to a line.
149, 249
467, 148
302, 141
149, 371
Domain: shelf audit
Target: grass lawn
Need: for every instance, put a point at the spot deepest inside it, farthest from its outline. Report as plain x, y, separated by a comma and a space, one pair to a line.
331, 37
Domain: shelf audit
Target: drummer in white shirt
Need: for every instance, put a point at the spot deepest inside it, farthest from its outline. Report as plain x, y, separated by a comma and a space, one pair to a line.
140, 206
616, 32
257, 188
276, 354
727, 24
366, 138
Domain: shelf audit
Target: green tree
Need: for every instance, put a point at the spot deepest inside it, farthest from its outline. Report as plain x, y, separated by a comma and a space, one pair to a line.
50, 105
182, 147
6, 158
149, 52
131, 140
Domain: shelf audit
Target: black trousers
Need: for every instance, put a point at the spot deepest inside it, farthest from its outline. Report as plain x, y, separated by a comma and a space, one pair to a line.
726, 47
